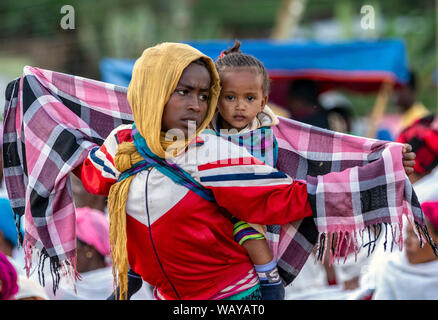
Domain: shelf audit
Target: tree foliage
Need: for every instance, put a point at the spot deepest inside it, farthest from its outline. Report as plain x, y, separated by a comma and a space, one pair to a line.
123, 28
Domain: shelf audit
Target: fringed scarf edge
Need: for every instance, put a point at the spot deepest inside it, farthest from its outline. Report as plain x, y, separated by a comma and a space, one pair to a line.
329, 244
65, 268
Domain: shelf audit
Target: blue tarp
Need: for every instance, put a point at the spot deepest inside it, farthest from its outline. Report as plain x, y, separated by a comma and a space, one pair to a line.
116, 71
363, 58
360, 61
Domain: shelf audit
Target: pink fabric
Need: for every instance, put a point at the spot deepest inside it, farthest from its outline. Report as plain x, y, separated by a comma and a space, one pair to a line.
8, 279
92, 227
430, 210
78, 114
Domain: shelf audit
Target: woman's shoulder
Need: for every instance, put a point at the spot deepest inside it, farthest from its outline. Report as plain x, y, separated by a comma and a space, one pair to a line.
118, 135
213, 147
122, 133
209, 139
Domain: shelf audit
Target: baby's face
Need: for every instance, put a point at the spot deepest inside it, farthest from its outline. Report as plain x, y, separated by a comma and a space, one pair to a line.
241, 98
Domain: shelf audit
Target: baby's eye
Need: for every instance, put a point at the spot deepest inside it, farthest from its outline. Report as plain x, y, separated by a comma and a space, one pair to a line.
203, 97
250, 98
229, 97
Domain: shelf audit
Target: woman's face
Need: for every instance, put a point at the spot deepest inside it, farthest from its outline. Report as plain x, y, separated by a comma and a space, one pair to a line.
189, 101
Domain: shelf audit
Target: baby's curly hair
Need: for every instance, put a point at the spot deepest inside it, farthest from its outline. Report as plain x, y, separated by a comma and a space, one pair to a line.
234, 58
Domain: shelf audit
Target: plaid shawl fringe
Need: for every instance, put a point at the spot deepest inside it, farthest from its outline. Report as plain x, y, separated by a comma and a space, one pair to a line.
79, 113
33, 248
39, 187
329, 244
356, 180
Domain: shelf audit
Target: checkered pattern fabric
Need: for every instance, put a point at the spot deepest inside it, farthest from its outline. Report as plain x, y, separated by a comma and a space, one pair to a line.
52, 121
357, 189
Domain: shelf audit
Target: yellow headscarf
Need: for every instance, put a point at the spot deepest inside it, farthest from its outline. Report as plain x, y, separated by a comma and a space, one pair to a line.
154, 78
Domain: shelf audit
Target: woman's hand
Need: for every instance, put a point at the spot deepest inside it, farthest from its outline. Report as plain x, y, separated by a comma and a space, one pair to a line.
408, 159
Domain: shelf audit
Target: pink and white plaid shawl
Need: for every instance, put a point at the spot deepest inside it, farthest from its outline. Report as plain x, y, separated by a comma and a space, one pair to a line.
357, 189
52, 120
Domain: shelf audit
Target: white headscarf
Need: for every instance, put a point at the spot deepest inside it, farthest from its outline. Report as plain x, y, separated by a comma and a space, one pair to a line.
401, 280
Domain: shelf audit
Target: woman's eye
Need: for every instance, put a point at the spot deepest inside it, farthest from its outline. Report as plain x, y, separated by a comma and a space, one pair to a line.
181, 92
203, 97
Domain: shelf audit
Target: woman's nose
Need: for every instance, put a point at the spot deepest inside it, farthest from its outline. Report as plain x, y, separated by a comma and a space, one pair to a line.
194, 104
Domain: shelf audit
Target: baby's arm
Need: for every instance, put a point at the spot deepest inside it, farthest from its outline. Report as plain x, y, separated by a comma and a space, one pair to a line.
260, 255
258, 251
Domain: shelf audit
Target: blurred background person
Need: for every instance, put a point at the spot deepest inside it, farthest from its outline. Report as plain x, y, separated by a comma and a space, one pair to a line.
93, 251
303, 103
412, 274
9, 236
423, 137
8, 230
316, 281
339, 111
29, 289
84, 199
426, 188
93, 261
8, 279
323, 281
407, 102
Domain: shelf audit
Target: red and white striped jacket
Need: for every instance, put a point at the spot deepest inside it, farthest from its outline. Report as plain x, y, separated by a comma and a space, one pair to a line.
193, 238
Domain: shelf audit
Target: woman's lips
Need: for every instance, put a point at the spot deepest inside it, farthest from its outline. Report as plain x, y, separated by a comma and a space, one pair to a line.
189, 120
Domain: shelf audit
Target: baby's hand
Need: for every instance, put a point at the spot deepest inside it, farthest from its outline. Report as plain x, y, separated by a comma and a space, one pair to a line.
408, 158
